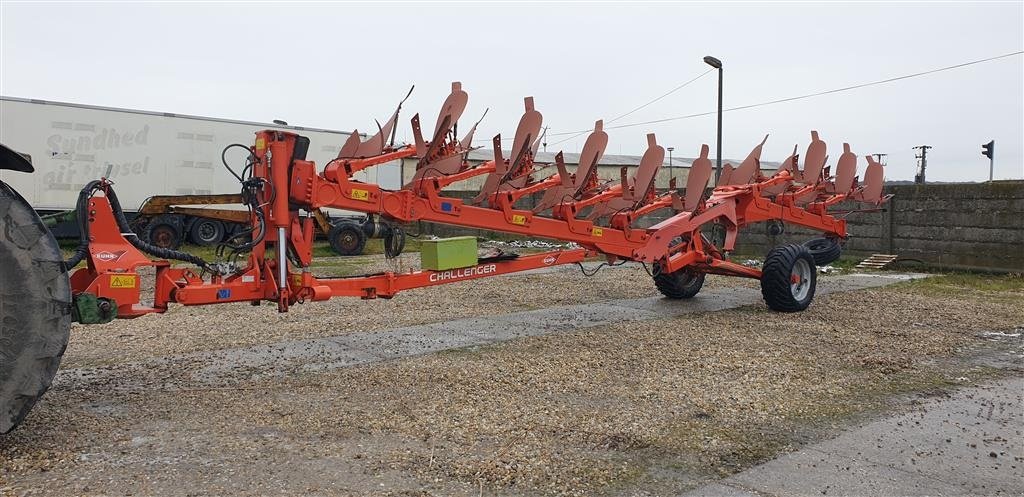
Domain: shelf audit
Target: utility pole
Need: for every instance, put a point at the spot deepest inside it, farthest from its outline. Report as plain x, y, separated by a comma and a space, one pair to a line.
922, 163
878, 157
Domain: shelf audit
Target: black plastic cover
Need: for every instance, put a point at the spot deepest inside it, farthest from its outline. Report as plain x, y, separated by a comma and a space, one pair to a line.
9, 159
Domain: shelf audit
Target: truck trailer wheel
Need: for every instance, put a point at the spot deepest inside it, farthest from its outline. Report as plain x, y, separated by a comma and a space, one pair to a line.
788, 278
347, 238
35, 308
205, 231
165, 232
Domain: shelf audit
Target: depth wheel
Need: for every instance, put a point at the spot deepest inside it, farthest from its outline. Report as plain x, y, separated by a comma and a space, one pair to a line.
788, 278
682, 284
35, 308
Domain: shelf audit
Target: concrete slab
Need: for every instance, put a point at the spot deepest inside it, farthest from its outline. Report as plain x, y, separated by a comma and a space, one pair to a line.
720, 490
974, 438
809, 472
971, 443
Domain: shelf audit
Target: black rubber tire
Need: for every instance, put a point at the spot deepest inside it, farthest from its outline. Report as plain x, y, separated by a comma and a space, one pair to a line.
347, 238
776, 278
397, 231
205, 232
164, 232
825, 250
682, 284
35, 308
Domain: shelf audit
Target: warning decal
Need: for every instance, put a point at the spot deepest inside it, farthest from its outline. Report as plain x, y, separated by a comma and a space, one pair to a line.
122, 282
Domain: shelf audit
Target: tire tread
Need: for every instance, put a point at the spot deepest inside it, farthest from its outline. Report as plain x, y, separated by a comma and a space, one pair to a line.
775, 278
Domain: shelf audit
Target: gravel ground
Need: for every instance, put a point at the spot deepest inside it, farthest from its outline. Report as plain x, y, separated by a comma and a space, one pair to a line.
188, 329
644, 408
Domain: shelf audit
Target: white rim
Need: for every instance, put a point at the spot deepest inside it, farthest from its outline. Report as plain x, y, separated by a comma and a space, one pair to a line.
802, 276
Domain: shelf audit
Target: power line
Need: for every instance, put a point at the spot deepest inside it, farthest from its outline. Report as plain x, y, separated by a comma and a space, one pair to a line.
673, 90
809, 95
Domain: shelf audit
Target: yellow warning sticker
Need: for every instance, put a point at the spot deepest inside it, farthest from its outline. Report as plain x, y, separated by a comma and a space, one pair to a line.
518, 219
597, 231
297, 280
358, 194
260, 143
122, 282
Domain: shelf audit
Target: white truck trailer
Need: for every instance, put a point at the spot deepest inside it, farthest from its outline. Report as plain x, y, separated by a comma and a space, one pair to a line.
147, 154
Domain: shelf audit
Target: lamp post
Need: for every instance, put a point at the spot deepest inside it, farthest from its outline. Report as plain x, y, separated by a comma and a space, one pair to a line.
670, 149
717, 64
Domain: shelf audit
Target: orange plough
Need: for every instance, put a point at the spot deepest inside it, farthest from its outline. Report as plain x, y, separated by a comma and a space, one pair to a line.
271, 261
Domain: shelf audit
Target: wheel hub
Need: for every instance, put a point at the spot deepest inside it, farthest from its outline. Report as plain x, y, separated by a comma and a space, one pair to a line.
800, 279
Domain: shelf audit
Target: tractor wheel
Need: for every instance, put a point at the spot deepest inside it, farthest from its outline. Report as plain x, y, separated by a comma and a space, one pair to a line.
347, 238
35, 308
825, 250
788, 278
682, 284
164, 232
206, 232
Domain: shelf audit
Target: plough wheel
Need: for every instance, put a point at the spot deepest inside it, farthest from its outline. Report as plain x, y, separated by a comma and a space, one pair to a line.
682, 284
35, 308
788, 278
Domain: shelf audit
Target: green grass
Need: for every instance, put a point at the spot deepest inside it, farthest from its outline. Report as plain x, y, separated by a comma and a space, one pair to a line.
959, 283
320, 248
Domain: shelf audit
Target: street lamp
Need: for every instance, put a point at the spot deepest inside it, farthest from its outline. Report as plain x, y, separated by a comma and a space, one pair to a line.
670, 149
717, 64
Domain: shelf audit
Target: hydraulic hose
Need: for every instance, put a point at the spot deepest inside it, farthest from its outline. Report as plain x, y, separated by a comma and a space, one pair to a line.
81, 211
126, 230
82, 250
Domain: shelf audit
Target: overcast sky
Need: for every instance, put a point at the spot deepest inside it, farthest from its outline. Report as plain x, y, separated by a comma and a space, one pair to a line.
340, 66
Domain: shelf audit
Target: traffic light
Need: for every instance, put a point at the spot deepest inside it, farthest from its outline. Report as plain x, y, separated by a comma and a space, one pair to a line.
989, 149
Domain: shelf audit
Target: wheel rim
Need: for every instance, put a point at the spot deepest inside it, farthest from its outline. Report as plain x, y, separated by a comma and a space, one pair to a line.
348, 241
162, 236
801, 279
207, 232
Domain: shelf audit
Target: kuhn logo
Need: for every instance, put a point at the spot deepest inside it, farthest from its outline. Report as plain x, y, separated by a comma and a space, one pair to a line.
549, 260
110, 256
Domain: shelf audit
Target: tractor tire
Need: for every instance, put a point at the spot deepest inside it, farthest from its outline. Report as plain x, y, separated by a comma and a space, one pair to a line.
783, 265
682, 284
205, 232
35, 308
164, 232
825, 250
347, 238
